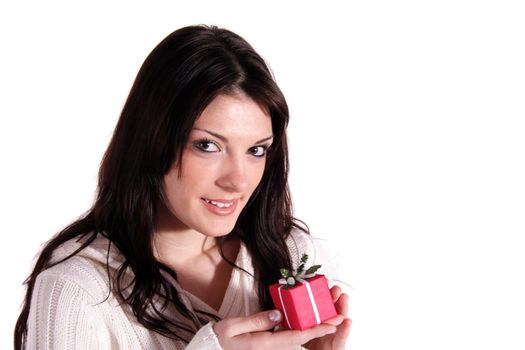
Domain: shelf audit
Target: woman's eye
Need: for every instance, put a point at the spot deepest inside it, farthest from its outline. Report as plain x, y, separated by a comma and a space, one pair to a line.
206, 146
259, 151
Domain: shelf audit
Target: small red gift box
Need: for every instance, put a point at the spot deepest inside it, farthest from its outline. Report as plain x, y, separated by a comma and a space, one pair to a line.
305, 304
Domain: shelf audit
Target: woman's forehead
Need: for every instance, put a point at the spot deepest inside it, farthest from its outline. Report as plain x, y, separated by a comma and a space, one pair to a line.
229, 113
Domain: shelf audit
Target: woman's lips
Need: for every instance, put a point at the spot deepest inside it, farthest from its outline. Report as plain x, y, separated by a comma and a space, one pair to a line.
220, 206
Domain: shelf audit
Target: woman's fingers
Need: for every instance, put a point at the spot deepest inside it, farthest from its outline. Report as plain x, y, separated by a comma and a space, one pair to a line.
343, 331
294, 337
341, 305
252, 332
336, 292
336, 321
261, 321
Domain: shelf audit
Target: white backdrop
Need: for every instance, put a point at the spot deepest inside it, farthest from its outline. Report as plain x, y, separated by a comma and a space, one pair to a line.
407, 145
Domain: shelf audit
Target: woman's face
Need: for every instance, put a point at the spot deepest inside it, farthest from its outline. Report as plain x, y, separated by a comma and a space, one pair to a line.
222, 164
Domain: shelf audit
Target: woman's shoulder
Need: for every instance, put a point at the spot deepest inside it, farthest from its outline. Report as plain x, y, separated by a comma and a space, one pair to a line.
86, 269
299, 242
319, 252
74, 298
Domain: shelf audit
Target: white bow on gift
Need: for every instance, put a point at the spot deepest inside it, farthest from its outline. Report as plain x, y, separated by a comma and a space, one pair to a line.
300, 275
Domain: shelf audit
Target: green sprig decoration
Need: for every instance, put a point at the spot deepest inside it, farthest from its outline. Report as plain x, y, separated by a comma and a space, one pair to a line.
290, 277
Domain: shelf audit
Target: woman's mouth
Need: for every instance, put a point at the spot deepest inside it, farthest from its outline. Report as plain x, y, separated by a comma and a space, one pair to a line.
220, 206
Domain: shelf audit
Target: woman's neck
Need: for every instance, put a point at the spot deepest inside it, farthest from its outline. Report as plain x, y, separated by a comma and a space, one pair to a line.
182, 247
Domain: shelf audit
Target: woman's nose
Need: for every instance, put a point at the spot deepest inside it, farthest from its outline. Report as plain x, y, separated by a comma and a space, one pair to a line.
234, 175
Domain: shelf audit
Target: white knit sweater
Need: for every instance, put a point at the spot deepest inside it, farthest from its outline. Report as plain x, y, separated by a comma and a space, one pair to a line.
72, 307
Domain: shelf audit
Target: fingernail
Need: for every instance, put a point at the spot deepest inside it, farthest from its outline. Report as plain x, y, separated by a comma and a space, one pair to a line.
332, 331
339, 320
274, 316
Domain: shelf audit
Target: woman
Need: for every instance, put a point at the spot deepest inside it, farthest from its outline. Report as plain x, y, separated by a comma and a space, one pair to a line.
192, 218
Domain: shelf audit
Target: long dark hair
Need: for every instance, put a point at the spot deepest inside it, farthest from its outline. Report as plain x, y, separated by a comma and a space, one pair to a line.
179, 78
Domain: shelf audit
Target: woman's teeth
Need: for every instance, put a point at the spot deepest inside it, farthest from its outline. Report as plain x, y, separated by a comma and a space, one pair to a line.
219, 204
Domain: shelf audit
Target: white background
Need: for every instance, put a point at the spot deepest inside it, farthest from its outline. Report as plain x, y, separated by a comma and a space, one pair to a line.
407, 145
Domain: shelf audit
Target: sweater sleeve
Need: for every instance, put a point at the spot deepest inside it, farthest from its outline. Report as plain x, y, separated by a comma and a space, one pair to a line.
205, 339
62, 317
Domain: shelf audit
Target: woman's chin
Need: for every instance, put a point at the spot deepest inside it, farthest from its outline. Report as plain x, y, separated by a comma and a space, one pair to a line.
216, 230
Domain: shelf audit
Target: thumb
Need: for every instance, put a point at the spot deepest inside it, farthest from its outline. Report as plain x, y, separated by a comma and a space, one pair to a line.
261, 321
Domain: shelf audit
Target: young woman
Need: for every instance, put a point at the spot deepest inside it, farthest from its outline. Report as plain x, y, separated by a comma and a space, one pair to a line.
192, 219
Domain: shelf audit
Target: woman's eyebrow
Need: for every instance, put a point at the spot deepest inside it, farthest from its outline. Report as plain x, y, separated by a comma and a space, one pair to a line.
222, 138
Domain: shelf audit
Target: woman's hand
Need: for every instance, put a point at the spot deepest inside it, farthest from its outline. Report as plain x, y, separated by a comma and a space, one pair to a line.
337, 340
253, 332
